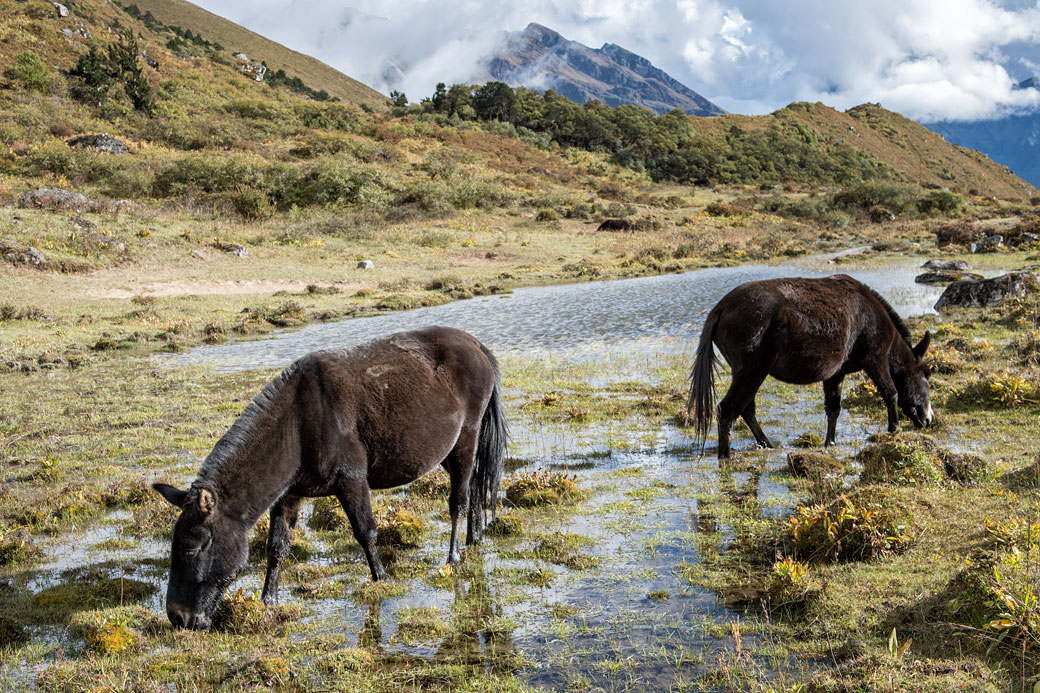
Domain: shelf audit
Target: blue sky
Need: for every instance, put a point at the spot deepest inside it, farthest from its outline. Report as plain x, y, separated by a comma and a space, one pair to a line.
928, 59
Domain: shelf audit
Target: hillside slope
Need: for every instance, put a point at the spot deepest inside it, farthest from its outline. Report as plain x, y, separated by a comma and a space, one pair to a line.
540, 57
913, 152
237, 38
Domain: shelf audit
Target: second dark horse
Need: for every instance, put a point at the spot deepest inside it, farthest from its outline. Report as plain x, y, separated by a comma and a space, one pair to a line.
805, 331
339, 423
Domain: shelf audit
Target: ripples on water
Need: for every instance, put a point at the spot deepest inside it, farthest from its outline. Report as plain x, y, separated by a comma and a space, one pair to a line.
622, 313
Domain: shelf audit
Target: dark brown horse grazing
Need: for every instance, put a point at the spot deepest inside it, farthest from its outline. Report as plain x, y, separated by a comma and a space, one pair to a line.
340, 423
803, 331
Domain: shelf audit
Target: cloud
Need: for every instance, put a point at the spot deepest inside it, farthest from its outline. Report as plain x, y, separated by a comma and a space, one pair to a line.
929, 59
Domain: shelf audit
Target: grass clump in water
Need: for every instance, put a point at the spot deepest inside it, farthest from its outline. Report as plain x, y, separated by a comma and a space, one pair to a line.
506, 526
243, 614
856, 526
327, 515
812, 464
542, 487
110, 636
403, 528
808, 440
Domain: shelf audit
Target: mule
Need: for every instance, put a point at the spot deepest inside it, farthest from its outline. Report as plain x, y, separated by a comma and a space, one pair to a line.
340, 422
805, 331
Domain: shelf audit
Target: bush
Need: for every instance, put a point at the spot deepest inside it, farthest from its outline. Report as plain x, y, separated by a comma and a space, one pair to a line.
251, 204
720, 209
864, 196
546, 215
33, 72
857, 526
941, 202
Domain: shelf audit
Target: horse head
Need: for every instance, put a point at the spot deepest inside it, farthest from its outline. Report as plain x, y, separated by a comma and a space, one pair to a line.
911, 379
208, 551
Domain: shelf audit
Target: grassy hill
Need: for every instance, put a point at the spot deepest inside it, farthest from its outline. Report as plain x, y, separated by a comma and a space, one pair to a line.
238, 39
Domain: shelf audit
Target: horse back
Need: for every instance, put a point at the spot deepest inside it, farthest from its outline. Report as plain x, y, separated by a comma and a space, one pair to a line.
393, 408
801, 330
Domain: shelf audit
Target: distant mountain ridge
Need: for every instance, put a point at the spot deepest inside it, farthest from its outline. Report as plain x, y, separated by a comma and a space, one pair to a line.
541, 58
1013, 140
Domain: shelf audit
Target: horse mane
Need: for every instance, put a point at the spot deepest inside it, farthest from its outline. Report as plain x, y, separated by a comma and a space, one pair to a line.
243, 429
896, 320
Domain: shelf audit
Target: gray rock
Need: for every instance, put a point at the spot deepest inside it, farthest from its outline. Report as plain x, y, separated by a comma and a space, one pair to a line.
947, 265
67, 33
366, 264
1026, 237
988, 292
988, 244
945, 277
35, 256
102, 143
101, 239
61, 10
49, 198
200, 255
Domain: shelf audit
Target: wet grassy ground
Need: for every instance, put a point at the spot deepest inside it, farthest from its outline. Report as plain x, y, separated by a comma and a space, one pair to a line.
652, 568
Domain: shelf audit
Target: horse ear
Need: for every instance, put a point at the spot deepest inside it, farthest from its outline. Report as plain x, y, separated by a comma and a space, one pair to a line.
207, 501
922, 346
174, 495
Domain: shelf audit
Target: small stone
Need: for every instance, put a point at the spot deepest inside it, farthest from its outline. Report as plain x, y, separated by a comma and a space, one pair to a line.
61, 10
366, 264
232, 248
988, 244
102, 143
200, 255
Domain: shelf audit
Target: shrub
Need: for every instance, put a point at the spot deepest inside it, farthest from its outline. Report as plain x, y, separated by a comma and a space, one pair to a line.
720, 209
251, 204
546, 215
857, 526
33, 72
959, 233
863, 196
1004, 389
941, 202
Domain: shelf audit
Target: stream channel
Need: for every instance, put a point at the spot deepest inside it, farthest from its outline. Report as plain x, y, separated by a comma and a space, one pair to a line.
632, 615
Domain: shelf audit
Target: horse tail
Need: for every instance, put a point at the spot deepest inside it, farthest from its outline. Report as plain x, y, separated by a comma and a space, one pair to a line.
701, 402
491, 454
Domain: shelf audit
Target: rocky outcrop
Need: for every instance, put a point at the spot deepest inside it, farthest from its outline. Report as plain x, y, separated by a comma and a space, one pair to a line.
945, 277
48, 198
102, 143
988, 292
540, 58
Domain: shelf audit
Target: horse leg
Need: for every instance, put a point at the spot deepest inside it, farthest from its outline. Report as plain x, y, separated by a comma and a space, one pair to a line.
279, 541
741, 393
354, 496
882, 380
749, 418
460, 462
832, 405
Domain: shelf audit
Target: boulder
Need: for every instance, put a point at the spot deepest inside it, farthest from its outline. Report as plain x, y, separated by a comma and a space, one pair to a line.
949, 265
102, 143
62, 11
988, 292
989, 244
879, 215
366, 264
945, 277
48, 198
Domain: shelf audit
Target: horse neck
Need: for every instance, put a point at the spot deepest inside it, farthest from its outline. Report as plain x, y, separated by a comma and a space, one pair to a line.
260, 467
900, 356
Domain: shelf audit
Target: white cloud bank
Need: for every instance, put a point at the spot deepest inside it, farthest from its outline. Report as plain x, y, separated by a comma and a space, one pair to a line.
928, 59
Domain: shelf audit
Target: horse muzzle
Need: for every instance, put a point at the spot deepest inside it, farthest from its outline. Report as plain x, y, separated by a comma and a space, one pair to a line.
183, 618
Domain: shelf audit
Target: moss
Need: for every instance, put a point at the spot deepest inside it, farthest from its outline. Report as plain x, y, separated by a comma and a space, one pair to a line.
108, 637
56, 604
